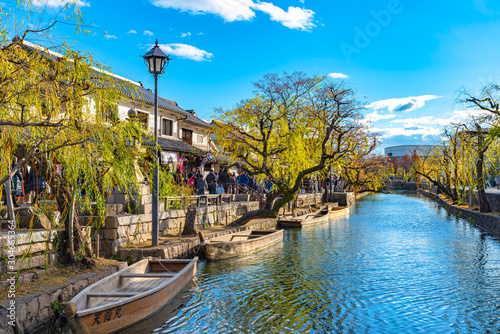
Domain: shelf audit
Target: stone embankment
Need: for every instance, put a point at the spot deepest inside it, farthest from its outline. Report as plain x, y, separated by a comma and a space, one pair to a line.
488, 221
34, 313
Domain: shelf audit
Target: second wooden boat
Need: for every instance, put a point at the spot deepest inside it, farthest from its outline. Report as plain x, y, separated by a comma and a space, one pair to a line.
317, 217
129, 295
335, 211
339, 212
239, 243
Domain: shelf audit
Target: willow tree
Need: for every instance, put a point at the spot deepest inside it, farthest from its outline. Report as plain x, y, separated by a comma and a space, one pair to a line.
59, 107
292, 126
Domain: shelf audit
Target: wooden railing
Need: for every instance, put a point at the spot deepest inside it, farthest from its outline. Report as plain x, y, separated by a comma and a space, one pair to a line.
195, 200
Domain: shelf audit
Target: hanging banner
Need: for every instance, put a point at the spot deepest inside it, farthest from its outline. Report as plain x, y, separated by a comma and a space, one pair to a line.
205, 160
180, 164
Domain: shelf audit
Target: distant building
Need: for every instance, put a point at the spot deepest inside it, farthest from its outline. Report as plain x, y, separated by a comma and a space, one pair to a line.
402, 150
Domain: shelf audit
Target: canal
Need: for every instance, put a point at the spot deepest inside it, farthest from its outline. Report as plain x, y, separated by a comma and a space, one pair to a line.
398, 264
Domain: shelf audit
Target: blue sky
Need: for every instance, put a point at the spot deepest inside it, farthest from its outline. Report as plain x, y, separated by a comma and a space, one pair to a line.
407, 59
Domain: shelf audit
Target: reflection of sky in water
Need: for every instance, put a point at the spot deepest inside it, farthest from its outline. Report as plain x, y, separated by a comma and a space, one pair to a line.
397, 264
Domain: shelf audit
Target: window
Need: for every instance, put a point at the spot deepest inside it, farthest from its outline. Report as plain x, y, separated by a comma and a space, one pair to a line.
166, 127
200, 138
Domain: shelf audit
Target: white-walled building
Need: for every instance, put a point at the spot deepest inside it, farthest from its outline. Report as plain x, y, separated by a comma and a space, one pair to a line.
182, 136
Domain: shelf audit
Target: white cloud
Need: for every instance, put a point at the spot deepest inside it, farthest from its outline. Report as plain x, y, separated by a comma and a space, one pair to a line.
185, 34
338, 75
110, 36
454, 117
200, 33
423, 131
148, 33
60, 3
186, 51
132, 32
406, 104
294, 18
375, 116
243, 10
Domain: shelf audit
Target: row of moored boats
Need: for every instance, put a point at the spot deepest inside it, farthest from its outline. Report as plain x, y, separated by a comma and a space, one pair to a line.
142, 289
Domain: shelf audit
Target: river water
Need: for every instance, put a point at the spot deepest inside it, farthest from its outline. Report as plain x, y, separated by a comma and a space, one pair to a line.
398, 264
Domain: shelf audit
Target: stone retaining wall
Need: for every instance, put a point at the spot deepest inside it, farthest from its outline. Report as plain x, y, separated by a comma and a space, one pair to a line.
343, 198
489, 222
493, 200
308, 199
186, 248
126, 229
36, 310
33, 248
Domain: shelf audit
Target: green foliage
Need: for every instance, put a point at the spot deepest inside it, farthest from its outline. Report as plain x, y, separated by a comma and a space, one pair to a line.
290, 128
57, 306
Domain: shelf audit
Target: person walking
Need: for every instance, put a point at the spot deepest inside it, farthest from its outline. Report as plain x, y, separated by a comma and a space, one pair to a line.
224, 179
201, 184
17, 179
211, 182
497, 181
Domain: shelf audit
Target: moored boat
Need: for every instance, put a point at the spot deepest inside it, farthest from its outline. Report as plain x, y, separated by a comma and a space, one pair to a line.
129, 295
313, 218
239, 243
339, 212
336, 211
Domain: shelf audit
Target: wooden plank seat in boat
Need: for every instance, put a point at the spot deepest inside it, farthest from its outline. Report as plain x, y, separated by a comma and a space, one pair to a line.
114, 294
152, 275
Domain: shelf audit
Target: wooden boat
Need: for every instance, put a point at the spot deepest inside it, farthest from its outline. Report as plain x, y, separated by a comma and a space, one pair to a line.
129, 295
239, 243
319, 216
339, 212
336, 211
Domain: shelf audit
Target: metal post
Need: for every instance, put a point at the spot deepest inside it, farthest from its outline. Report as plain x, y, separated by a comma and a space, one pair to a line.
156, 181
331, 185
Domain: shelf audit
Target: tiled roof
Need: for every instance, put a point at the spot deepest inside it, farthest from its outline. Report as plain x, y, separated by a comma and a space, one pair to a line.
147, 96
174, 145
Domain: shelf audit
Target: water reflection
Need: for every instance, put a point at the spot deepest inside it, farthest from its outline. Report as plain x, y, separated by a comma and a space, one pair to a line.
397, 264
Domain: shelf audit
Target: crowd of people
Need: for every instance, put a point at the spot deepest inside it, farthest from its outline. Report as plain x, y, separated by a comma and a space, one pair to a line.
227, 182
222, 182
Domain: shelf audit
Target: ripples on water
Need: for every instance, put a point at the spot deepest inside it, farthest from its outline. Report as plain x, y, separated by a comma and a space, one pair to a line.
397, 264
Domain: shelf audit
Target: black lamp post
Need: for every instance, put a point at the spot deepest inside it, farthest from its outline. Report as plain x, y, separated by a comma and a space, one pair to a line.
156, 60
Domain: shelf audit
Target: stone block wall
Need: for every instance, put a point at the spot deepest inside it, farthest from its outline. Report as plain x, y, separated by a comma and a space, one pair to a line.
34, 248
36, 310
493, 200
188, 247
303, 200
343, 198
128, 229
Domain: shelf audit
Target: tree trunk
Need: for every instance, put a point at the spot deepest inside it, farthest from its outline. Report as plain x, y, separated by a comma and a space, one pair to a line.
484, 205
190, 224
64, 200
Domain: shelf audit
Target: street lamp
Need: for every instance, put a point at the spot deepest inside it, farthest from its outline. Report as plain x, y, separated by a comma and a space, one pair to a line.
156, 60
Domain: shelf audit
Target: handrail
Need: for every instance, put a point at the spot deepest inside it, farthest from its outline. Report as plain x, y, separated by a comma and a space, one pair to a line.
197, 199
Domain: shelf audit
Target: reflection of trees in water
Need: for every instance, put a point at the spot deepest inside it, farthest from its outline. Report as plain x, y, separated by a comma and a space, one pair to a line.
395, 256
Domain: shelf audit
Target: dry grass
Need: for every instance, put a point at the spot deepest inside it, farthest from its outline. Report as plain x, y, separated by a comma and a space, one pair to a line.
54, 276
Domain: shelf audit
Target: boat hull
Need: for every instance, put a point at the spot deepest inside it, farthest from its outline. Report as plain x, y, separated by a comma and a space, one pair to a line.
290, 223
220, 249
321, 216
339, 212
114, 317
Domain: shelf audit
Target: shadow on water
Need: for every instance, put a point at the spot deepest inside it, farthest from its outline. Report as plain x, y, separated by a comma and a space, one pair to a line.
398, 263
